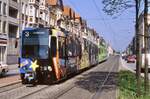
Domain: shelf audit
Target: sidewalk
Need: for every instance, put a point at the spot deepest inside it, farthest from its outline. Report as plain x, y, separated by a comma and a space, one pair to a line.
12, 76
13, 66
9, 80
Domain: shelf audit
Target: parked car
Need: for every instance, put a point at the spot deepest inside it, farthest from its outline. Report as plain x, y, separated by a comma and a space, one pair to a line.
3, 69
124, 57
131, 59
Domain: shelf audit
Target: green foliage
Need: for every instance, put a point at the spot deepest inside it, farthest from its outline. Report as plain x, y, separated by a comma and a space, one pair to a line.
127, 86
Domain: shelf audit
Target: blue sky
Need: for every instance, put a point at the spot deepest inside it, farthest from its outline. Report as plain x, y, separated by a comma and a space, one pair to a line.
118, 32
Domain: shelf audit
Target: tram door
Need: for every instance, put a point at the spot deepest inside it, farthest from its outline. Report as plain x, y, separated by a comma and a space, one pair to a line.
62, 54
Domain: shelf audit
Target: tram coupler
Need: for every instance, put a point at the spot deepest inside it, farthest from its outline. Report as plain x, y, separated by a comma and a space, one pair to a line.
30, 78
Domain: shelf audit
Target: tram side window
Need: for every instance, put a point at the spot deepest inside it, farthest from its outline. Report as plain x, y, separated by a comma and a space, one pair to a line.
54, 46
62, 47
85, 45
78, 47
70, 47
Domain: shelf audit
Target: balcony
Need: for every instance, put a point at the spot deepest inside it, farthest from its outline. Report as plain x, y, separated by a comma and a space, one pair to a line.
3, 36
42, 7
13, 20
34, 2
14, 3
41, 21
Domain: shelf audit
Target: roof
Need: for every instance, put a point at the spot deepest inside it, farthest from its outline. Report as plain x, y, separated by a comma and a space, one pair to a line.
72, 14
67, 11
55, 3
52, 2
77, 16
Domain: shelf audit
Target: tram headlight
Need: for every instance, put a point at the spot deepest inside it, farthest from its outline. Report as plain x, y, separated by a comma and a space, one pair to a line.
45, 68
49, 68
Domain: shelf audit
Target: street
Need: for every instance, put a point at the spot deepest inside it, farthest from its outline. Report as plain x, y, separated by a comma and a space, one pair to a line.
99, 82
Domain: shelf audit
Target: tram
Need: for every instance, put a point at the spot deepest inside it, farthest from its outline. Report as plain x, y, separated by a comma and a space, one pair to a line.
48, 55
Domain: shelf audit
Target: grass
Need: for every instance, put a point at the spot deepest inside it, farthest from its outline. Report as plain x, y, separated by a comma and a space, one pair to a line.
127, 86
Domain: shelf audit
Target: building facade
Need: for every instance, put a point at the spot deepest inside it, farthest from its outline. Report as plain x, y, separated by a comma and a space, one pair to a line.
141, 38
16, 15
3, 30
9, 29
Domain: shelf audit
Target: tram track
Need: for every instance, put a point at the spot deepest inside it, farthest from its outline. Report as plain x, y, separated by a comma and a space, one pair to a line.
97, 94
57, 91
10, 86
56, 95
28, 94
62, 91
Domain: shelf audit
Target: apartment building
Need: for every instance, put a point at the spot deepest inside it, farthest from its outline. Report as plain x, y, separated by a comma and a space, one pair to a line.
141, 32
35, 13
68, 18
13, 28
9, 28
56, 10
16, 15
24, 14
3, 30
78, 24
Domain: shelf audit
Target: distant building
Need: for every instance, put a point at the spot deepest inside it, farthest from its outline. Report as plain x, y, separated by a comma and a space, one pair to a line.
141, 36
110, 50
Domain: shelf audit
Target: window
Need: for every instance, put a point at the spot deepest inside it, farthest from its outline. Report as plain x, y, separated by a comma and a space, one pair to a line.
23, 8
0, 26
62, 47
0, 7
2, 53
4, 27
4, 8
35, 44
15, 0
54, 46
31, 19
31, 7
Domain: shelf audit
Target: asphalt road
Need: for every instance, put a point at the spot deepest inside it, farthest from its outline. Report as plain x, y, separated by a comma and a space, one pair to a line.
99, 82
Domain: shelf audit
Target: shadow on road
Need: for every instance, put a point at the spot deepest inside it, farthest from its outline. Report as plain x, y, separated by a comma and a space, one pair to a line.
93, 81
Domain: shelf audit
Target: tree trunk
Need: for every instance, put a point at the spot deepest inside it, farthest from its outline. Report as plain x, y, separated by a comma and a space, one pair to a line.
146, 82
138, 50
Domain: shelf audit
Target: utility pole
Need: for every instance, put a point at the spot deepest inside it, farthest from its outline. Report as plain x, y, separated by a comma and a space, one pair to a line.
146, 82
138, 49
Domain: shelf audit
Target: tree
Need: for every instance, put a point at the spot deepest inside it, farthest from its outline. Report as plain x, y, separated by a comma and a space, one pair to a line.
116, 7
146, 46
